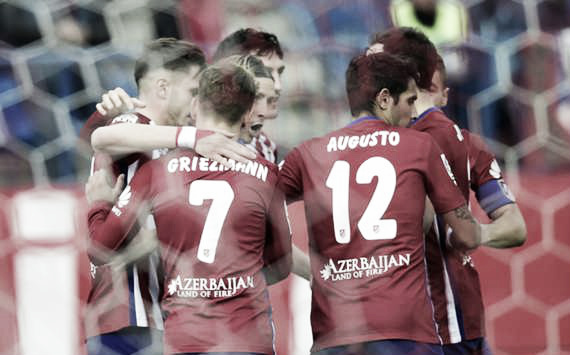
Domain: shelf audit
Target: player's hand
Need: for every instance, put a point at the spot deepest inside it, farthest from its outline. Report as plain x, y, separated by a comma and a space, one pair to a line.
116, 102
219, 147
99, 187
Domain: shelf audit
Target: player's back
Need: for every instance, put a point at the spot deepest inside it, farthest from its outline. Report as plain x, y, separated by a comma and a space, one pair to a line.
364, 189
214, 226
454, 282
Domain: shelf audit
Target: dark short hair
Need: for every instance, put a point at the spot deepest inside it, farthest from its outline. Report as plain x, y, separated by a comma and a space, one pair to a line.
415, 45
250, 63
246, 41
367, 75
228, 90
170, 54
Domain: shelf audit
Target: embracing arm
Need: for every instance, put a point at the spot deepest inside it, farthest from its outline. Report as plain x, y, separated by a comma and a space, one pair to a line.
467, 232
129, 137
508, 228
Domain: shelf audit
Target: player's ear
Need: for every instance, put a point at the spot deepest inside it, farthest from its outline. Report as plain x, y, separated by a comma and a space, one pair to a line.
444, 97
163, 87
383, 99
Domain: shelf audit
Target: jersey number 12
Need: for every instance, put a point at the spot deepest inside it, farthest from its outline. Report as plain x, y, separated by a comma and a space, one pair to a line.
371, 225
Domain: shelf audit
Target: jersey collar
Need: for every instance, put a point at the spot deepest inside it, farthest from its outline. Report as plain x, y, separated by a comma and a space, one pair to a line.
424, 114
365, 118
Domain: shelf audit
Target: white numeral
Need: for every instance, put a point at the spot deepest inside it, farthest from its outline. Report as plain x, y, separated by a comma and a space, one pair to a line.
338, 183
222, 195
371, 225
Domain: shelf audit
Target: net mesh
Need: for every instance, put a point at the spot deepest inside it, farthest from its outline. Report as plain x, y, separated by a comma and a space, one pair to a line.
508, 78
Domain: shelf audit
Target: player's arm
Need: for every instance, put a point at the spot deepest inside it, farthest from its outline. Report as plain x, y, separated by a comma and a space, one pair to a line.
110, 225
277, 255
129, 138
429, 215
508, 228
290, 183
467, 232
448, 201
301, 264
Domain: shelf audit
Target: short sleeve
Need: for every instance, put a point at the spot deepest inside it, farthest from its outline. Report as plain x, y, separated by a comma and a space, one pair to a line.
441, 185
291, 177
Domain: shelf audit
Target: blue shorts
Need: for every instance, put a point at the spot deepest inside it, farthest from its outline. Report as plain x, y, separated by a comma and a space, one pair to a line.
221, 354
127, 341
384, 347
468, 347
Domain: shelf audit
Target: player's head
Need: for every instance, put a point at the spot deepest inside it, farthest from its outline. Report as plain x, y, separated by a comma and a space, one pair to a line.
226, 94
383, 85
261, 44
167, 75
411, 43
265, 93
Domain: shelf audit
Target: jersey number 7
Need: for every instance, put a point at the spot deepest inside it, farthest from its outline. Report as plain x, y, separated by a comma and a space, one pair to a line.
222, 195
371, 225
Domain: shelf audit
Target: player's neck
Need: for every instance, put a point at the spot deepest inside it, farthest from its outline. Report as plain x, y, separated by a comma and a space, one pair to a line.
153, 111
212, 123
424, 102
377, 115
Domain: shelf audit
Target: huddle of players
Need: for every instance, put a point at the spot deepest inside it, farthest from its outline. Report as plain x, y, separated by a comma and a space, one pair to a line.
379, 286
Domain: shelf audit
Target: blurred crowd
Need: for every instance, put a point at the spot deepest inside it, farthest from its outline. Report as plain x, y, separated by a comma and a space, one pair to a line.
507, 68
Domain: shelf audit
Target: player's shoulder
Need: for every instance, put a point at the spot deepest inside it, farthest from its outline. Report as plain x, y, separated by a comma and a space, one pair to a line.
94, 121
415, 138
474, 141
435, 120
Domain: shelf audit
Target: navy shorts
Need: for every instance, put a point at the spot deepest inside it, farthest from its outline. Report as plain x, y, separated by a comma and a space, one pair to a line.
220, 354
468, 347
127, 341
384, 347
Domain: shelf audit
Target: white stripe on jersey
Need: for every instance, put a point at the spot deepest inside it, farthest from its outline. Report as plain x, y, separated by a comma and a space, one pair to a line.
453, 324
430, 299
140, 312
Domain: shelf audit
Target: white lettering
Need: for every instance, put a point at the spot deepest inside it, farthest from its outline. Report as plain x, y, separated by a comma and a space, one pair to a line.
346, 269
363, 141
185, 164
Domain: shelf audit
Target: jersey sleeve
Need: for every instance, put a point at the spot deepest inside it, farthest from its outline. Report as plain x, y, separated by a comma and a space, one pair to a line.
94, 121
109, 225
290, 176
486, 177
441, 185
452, 143
277, 252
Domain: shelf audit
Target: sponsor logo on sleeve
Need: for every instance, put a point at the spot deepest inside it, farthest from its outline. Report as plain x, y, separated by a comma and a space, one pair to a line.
124, 199
126, 118
93, 270
495, 169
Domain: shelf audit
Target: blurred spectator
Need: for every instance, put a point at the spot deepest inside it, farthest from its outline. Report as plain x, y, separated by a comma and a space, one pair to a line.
497, 20
82, 27
344, 28
202, 22
18, 26
443, 21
